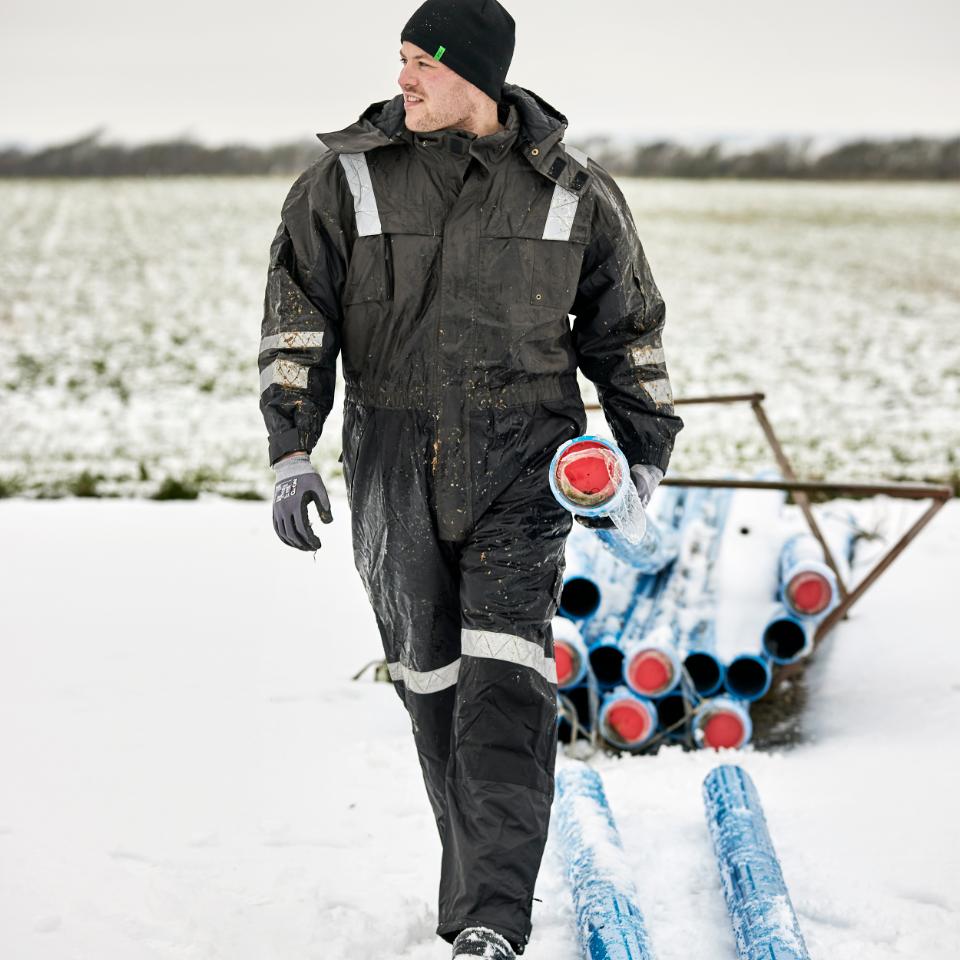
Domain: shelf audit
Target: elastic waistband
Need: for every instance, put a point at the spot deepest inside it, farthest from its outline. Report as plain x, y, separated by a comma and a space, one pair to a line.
477, 397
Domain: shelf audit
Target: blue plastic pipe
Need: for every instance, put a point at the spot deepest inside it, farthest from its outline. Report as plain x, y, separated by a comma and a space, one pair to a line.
764, 922
748, 676
610, 924
722, 723
701, 661
606, 661
801, 558
787, 637
626, 720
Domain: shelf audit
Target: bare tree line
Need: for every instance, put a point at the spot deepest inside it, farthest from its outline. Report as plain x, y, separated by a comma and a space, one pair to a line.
908, 158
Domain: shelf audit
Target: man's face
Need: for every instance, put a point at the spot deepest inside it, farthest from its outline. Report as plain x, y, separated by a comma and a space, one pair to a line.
445, 98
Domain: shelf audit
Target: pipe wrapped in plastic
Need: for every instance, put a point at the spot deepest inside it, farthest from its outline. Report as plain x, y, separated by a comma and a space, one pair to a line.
590, 477
657, 547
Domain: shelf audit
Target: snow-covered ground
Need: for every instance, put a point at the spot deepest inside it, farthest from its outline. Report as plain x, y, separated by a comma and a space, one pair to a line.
130, 318
187, 771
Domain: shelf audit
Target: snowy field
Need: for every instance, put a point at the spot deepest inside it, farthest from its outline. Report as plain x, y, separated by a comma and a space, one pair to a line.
190, 774
130, 319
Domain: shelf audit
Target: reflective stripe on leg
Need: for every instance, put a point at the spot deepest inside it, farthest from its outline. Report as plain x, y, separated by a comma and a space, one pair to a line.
506, 646
425, 681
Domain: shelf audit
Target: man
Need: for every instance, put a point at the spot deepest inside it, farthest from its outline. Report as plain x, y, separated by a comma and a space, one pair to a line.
439, 247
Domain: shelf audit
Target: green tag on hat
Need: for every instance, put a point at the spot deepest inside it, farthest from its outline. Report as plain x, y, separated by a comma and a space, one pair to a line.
440, 52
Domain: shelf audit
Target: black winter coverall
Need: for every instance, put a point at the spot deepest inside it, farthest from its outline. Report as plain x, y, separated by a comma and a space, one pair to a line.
443, 268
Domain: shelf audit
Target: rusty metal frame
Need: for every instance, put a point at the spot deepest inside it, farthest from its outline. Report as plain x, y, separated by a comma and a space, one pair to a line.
939, 494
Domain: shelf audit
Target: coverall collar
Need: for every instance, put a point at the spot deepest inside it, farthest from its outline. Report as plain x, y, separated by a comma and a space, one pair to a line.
540, 129
462, 143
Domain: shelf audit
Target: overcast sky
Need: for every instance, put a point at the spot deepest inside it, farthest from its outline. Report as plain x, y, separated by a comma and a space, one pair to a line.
284, 69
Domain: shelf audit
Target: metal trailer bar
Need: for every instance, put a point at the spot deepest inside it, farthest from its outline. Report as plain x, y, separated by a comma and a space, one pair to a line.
938, 493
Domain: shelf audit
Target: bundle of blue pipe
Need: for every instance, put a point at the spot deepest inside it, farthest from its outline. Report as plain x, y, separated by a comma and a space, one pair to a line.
637, 627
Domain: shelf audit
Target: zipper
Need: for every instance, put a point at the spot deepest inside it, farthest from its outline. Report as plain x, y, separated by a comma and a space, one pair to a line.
388, 262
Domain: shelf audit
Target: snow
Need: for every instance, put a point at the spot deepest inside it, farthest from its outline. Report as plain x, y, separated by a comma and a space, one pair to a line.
189, 772
131, 309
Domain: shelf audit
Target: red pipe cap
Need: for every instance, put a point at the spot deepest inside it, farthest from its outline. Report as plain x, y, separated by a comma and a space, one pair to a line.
566, 661
650, 673
629, 721
723, 729
809, 592
587, 475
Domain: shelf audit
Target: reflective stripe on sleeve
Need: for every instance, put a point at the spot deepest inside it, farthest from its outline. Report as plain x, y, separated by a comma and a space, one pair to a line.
642, 356
286, 373
364, 199
659, 391
506, 646
292, 340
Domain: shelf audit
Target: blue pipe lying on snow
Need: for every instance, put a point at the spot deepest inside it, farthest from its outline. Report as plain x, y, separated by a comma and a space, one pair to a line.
764, 922
610, 924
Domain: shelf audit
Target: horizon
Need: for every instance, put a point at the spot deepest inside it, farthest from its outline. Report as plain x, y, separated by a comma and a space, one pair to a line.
820, 140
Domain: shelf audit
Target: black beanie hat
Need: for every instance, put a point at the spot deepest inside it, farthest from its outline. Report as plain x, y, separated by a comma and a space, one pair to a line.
474, 38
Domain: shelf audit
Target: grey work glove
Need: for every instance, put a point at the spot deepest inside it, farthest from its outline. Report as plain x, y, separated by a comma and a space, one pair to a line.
297, 484
646, 478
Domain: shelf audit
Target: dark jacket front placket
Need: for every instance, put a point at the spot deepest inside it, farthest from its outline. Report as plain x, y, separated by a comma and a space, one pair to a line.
456, 329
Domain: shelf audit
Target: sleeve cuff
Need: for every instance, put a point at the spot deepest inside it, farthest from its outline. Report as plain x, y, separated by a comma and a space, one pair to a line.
283, 443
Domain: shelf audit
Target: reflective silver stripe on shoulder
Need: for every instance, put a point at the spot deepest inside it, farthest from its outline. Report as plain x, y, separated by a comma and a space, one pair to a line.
505, 646
361, 186
286, 373
577, 155
292, 340
426, 681
563, 210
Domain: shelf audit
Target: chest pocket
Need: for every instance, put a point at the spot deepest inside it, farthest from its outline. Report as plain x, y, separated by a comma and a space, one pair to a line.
556, 273
370, 273
531, 251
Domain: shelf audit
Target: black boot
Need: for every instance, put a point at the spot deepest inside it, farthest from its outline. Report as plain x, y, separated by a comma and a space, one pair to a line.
482, 942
